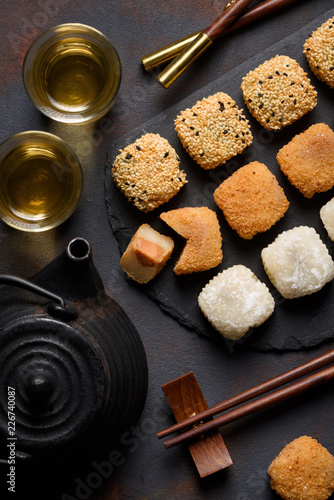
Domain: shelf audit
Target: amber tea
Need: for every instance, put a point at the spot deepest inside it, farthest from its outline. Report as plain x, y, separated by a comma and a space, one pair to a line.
41, 181
74, 78
72, 73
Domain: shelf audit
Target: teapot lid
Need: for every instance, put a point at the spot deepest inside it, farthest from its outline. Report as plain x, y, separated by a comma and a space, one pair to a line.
59, 381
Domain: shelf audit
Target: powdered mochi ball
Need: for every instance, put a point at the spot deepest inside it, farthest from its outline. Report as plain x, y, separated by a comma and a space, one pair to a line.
297, 262
236, 300
327, 217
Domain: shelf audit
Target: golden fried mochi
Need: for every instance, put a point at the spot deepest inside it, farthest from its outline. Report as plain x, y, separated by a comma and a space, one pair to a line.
251, 199
200, 227
304, 470
308, 160
278, 92
318, 50
327, 217
147, 172
234, 301
146, 254
298, 262
213, 130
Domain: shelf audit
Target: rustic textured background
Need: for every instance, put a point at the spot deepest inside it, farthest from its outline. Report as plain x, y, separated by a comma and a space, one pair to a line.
144, 469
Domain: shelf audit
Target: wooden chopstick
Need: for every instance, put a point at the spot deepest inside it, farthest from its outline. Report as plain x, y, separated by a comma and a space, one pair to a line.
293, 389
226, 18
289, 376
253, 14
219, 27
201, 43
256, 13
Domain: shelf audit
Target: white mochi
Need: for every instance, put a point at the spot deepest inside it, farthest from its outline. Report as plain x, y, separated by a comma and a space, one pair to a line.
236, 300
297, 262
327, 217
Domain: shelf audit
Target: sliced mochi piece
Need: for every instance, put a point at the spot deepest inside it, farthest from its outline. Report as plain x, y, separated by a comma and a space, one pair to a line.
146, 254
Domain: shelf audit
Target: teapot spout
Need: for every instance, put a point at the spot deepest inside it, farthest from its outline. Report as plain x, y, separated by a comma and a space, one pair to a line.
80, 266
73, 273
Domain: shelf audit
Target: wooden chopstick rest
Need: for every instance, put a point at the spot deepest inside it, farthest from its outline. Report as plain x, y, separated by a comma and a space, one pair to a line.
186, 401
284, 378
185, 398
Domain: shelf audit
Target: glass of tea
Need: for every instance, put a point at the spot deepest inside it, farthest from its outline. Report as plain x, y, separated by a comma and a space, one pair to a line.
72, 73
40, 181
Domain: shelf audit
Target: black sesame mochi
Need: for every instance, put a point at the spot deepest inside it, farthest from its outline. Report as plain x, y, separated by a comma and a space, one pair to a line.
213, 130
319, 52
147, 172
278, 92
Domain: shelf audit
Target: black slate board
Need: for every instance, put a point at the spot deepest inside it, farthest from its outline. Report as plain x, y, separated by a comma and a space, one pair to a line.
295, 324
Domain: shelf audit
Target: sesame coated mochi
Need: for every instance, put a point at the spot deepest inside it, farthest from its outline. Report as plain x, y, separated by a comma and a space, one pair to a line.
308, 160
213, 130
318, 50
297, 262
251, 200
278, 92
234, 301
147, 172
327, 217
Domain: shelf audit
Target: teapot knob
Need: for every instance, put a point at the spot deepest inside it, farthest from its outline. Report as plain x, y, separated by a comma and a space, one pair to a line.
39, 387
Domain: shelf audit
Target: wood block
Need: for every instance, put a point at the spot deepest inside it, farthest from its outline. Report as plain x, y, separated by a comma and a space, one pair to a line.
185, 399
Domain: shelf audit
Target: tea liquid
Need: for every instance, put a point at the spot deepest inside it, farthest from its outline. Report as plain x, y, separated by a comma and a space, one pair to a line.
74, 77
35, 184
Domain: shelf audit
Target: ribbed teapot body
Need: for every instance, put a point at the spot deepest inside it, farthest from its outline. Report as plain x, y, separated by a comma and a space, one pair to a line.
78, 382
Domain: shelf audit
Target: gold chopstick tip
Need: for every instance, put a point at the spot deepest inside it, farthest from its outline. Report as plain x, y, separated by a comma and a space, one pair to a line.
184, 59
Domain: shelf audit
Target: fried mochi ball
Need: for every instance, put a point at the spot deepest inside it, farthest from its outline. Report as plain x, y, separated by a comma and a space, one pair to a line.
251, 199
308, 160
304, 470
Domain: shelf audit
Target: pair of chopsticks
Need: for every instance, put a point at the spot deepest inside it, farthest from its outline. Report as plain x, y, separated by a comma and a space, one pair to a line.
198, 429
186, 50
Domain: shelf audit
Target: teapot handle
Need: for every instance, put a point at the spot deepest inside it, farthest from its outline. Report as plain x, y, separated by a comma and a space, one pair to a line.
57, 307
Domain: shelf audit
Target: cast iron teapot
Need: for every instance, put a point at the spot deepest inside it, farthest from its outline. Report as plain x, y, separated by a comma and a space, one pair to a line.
72, 366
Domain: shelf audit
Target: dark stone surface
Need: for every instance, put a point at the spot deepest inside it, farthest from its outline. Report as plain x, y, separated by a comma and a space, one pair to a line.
142, 468
296, 324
